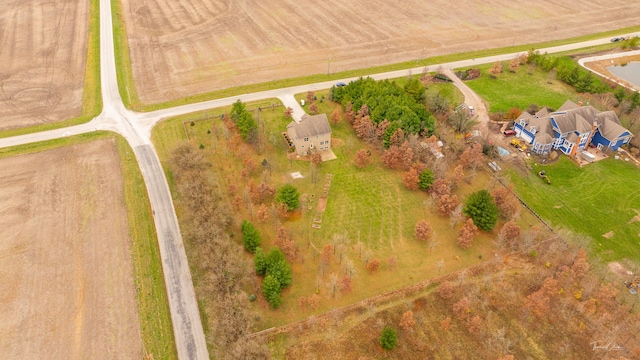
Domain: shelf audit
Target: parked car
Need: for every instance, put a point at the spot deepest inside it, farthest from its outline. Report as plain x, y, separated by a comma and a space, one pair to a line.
509, 132
616, 39
340, 84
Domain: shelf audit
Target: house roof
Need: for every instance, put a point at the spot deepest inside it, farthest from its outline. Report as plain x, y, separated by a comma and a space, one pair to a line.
310, 126
609, 125
574, 119
543, 112
568, 105
544, 139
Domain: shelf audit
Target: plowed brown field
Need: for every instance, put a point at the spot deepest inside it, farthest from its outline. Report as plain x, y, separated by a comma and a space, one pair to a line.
185, 47
67, 289
43, 46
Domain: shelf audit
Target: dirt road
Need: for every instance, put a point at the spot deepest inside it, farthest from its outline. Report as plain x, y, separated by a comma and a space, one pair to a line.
67, 289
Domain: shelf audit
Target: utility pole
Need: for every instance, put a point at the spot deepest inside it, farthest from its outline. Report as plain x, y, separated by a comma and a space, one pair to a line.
329, 66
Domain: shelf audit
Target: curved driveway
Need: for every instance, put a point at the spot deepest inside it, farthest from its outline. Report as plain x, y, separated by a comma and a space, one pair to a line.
136, 129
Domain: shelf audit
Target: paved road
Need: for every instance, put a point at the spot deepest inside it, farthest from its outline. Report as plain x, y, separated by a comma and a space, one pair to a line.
136, 129
148, 120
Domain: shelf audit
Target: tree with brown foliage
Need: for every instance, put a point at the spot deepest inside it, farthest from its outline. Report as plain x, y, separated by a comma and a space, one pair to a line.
313, 108
580, 265
362, 159
447, 204
285, 243
461, 308
365, 129
457, 176
507, 203
327, 253
397, 137
446, 324
373, 265
439, 187
392, 157
422, 230
288, 112
249, 166
382, 128
496, 69
509, 235
514, 113
349, 113
472, 157
335, 117
474, 324
445, 290
263, 214
311, 96
407, 322
345, 284
466, 234
513, 64
407, 156
410, 179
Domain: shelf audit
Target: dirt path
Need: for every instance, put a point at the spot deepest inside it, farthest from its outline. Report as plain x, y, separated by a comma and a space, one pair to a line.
67, 289
471, 99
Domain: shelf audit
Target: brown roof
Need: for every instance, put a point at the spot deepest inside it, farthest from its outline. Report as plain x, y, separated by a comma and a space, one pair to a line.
311, 126
568, 105
544, 139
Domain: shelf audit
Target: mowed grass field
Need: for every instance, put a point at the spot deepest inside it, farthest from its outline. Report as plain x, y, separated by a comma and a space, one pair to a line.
369, 212
528, 85
597, 199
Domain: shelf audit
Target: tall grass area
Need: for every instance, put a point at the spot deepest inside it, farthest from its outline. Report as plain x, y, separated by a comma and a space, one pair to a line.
369, 212
153, 305
130, 98
596, 200
91, 91
528, 85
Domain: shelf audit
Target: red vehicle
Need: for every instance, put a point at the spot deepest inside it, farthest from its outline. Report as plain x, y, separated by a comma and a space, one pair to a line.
508, 133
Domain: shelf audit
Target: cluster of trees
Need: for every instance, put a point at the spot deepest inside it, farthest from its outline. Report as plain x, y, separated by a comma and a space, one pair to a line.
205, 222
402, 108
276, 271
244, 121
569, 71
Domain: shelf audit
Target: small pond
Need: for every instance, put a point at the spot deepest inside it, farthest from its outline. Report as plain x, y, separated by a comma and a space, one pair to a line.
629, 72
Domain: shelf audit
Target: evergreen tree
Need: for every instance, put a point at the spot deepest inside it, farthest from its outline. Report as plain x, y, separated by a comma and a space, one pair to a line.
250, 236
481, 208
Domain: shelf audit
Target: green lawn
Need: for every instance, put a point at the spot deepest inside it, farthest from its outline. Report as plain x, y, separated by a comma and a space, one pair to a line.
528, 85
593, 200
368, 206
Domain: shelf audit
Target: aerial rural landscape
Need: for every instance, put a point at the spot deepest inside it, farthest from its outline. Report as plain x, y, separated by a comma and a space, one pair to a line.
337, 180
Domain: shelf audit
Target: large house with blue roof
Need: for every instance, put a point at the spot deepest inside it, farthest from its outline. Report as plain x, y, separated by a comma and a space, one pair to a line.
571, 129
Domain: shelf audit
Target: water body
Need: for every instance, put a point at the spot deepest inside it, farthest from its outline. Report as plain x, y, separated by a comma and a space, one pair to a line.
629, 72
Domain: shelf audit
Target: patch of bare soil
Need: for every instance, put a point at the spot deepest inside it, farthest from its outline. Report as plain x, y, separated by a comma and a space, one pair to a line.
608, 235
67, 289
186, 47
617, 268
43, 48
635, 218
